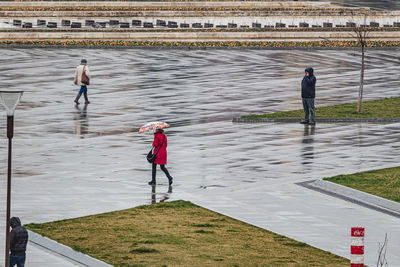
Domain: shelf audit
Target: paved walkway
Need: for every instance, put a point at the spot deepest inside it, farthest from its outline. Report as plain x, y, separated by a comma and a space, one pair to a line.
377, 4
71, 162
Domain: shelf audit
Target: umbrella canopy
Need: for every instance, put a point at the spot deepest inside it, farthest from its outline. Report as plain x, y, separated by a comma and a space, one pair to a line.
153, 125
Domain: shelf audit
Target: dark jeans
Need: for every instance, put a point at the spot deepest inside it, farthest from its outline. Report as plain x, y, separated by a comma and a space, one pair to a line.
154, 170
83, 90
18, 259
308, 106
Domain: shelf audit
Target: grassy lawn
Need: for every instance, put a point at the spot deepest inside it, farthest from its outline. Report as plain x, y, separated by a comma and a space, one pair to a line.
383, 108
384, 183
181, 234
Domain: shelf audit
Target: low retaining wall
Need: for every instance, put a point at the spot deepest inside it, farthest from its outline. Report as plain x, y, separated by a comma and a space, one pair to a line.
216, 18
196, 36
222, 20
326, 14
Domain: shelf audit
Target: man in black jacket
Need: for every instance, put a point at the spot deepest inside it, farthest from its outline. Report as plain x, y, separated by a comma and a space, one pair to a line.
308, 95
18, 241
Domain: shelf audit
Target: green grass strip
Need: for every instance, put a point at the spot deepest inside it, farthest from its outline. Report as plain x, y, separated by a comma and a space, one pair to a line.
180, 233
384, 182
382, 108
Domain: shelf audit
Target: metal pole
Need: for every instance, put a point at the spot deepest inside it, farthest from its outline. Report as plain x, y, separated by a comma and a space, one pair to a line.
10, 133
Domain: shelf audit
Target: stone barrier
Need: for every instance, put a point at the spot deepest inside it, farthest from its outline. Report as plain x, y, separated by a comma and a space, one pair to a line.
65, 23
218, 18
347, 15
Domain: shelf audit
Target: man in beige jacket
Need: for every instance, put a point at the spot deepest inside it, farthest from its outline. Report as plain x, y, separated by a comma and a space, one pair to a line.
78, 81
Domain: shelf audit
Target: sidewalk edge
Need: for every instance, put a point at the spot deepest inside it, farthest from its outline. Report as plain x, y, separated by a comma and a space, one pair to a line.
65, 251
355, 196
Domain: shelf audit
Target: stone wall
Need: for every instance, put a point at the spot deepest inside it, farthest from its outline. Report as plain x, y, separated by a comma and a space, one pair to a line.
215, 20
182, 13
196, 36
290, 14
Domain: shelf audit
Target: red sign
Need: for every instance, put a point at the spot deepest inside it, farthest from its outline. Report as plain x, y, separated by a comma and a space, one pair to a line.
357, 231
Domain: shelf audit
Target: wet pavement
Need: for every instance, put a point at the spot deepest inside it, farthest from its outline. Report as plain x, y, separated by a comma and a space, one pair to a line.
376, 4
74, 161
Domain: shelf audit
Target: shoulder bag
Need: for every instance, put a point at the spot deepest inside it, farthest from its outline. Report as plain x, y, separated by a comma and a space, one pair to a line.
85, 79
152, 157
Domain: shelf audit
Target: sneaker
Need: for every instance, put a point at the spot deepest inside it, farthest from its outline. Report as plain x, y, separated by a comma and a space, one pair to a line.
76, 102
311, 123
152, 183
304, 122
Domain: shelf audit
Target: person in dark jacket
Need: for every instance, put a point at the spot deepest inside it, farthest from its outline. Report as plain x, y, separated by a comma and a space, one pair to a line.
308, 96
160, 147
18, 241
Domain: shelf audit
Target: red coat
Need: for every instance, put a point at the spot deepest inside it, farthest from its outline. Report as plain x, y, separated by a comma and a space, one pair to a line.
162, 155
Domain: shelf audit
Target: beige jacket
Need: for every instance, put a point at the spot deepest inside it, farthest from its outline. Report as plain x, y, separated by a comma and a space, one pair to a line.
78, 74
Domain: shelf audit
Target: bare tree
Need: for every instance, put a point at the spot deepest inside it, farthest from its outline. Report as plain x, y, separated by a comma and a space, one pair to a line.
361, 34
382, 262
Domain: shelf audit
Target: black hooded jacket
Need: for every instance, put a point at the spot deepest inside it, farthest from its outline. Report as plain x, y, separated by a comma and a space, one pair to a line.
308, 85
18, 236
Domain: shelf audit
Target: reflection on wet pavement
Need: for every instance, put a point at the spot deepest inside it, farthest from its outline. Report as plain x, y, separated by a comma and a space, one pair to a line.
307, 154
162, 196
245, 171
82, 121
377, 4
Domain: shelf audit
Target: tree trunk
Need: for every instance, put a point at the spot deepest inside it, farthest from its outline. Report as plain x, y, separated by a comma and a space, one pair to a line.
360, 90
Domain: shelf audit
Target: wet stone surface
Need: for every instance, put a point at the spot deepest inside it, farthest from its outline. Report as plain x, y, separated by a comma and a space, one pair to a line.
376, 4
74, 161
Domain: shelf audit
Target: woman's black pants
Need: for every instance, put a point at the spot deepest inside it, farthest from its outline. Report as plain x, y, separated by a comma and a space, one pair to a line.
163, 168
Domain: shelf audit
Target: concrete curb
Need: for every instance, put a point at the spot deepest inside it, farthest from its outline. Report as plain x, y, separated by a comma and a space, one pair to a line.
29, 46
358, 195
319, 120
65, 251
174, 36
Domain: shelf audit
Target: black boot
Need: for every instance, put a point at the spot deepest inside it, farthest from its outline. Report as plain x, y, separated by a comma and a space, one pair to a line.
86, 98
77, 99
167, 174
153, 174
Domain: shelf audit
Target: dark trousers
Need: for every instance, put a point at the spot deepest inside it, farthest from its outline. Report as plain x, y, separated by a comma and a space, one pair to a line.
83, 91
18, 259
154, 170
308, 106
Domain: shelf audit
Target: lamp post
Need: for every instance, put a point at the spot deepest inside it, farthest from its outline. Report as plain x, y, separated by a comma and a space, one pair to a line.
10, 100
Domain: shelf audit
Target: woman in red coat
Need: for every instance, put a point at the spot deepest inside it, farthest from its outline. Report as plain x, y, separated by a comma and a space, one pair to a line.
160, 146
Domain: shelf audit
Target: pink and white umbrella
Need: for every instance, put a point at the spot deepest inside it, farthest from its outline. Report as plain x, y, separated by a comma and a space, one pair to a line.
153, 125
